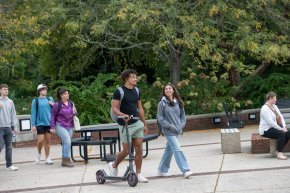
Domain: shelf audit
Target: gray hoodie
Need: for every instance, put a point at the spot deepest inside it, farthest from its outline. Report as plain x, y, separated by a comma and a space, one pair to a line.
8, 116
171, 118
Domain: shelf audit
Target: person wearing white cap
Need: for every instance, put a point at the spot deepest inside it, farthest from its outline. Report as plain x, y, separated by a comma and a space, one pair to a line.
40, 122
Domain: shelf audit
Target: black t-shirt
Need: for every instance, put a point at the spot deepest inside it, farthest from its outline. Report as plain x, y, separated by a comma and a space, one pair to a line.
128, 103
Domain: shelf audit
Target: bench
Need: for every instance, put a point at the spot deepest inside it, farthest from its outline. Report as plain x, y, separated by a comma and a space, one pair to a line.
81, 142
146, 139
230, 140
112, 147
261, 144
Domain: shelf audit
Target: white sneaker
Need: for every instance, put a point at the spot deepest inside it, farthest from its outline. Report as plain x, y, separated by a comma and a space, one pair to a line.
281, 156
12, 168
113, 171
48, 161
142, 179
163, 174
37, 159
187, 174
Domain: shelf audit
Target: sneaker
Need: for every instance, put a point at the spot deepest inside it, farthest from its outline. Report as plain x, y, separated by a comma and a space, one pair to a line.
163, 174
37, 159
113, 171
12, 168
142, 179
187, 174
48, 161
281, 156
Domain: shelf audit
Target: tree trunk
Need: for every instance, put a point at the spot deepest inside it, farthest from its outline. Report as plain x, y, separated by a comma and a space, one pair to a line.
261, 69
175, 59
234, 76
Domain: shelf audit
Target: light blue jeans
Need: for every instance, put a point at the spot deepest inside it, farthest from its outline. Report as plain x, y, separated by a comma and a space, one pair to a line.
65, 135
173, 148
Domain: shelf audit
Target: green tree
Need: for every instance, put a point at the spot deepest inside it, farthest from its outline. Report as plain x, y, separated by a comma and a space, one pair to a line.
219, 41
73, 38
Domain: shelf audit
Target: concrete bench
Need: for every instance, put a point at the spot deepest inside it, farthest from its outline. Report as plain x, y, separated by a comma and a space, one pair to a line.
81, 142
230, 140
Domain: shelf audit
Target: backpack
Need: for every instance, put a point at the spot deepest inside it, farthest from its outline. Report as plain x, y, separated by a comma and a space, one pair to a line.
158, 124
114, 117
36, 103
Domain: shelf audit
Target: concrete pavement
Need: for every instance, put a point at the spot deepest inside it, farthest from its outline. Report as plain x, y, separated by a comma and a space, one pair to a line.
213, 171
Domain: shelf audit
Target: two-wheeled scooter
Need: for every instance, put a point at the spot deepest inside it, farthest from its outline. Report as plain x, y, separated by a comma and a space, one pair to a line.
130, 175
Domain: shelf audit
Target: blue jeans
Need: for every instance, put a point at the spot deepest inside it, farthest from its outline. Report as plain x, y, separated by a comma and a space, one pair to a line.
65, 136
6, 139
173, 148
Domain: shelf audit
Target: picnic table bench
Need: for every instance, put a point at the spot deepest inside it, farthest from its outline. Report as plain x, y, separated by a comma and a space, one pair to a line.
85, 141
82, 142
146, 139
111, 141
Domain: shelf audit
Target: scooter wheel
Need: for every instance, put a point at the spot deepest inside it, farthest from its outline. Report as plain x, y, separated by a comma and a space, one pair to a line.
100, 176
132, 179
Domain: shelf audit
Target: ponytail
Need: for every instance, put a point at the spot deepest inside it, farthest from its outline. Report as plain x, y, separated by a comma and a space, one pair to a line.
60, 91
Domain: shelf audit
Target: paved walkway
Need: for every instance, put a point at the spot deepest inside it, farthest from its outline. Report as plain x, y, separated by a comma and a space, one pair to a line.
213, 171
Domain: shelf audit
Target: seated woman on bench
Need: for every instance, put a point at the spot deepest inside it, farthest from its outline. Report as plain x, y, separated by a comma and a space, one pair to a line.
272, 124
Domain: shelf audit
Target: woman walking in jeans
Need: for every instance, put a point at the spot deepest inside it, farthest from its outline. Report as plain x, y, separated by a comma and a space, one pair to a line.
171, 117
272, 124
62, 124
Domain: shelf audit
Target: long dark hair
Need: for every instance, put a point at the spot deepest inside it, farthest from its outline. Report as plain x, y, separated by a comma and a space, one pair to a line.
60, 91
175, 94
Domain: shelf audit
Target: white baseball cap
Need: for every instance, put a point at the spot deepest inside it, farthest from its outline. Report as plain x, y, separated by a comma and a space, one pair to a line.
41, 86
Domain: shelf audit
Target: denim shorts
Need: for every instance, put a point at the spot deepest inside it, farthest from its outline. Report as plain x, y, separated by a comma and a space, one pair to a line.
136, 130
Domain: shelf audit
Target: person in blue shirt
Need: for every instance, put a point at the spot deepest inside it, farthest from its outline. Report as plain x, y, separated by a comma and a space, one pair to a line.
40, 122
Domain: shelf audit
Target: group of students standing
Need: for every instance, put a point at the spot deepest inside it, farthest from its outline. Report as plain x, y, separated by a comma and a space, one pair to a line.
47, 117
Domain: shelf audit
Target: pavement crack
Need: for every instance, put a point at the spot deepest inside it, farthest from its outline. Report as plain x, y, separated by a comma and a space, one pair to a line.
85, 170
219, 173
